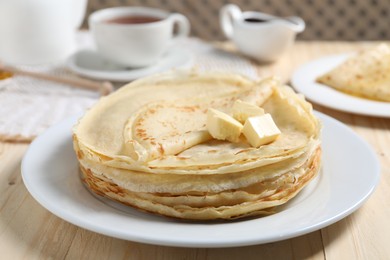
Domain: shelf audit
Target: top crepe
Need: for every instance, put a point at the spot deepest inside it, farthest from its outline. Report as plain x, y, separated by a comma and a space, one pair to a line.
365, 74
157, 125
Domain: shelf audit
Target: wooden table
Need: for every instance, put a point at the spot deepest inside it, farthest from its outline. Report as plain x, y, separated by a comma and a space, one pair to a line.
29, 231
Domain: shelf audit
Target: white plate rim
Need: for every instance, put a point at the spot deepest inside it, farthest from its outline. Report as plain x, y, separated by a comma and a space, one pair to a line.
303, 80
186, 61
178, 227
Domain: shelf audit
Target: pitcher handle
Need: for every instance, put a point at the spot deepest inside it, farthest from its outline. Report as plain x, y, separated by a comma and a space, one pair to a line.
79, 9
227, 15
183, 25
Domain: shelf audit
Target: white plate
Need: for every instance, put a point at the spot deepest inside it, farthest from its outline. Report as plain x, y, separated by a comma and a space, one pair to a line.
50, 173
304, 81
90, 64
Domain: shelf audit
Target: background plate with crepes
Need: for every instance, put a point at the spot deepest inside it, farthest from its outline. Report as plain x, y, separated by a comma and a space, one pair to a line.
304, 81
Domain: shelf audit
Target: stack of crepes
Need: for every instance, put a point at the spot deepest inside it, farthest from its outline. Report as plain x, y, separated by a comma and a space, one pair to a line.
147, 146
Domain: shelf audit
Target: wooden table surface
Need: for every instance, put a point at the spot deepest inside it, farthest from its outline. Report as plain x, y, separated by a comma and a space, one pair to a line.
29, 231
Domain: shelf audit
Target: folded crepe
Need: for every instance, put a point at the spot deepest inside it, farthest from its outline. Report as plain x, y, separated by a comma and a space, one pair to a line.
147, 146
366, 74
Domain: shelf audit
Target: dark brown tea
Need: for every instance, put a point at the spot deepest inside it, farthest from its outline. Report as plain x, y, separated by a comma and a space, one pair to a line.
255, 20
134, 20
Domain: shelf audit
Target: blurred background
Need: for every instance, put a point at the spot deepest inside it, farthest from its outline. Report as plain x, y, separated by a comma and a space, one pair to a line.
325, 19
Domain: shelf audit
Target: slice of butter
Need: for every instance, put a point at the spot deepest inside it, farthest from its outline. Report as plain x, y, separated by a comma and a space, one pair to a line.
242, 110
221, 126
260, 130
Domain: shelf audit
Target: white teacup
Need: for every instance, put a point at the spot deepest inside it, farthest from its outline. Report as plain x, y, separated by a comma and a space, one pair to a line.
135, 36
39, 31
258, 35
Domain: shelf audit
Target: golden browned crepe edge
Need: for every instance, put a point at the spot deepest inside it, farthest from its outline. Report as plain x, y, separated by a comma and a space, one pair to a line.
263, 206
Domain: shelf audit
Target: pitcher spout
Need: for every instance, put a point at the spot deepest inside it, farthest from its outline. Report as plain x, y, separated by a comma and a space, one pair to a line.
296, 23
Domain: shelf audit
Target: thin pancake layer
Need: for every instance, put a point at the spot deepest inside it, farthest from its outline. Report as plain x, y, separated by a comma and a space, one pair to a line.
292, 114
365, 74
101, 128
260, 204
196, 182
166, 128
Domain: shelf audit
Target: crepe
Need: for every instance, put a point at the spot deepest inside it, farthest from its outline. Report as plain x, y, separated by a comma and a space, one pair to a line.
366, 74
147, 146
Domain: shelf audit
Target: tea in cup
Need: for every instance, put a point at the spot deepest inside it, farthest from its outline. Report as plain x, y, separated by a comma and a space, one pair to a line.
135, 36
260, 36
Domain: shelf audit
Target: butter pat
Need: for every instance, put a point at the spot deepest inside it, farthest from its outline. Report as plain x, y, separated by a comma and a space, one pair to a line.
221, 126
242, 110
260, 130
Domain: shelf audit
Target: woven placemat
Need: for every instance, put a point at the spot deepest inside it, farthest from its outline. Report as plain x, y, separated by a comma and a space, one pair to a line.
30, 106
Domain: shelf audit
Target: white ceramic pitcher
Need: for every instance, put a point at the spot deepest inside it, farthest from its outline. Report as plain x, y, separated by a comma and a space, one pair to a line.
39, 31
258, 35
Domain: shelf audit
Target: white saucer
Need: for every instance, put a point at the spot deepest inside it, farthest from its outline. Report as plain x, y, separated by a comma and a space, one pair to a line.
90, 64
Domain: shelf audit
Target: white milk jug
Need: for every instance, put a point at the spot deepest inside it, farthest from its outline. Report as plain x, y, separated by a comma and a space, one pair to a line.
260, 36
